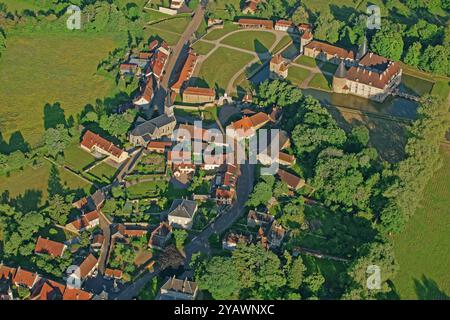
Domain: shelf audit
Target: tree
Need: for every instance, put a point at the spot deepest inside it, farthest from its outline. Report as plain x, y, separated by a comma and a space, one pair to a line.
314, 282
58, 209
300, 15
375, 255
327, 28
278, 93
56, 140
316, 129
262, 192
293, 217
180, 236
343, 181
388, 41
295, 276
280, 189
414, 54
435, 59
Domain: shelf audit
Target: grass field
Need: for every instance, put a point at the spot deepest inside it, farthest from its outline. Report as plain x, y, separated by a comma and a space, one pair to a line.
45, 68
77, 158
297, 75
283, 42
416, 85
219, 33
177, 24
422, 248
257, 41
320, 81
441, 88
202, 48
215, 72
36, 179
306, 61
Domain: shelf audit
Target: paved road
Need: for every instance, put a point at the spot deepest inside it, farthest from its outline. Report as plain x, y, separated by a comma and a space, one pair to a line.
225, 220
179, 50
134, 288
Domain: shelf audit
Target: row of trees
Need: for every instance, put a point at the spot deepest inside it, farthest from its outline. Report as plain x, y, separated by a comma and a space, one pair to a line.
406, 180
254, 273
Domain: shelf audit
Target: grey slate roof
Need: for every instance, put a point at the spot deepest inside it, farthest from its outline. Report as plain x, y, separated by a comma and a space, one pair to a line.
341, 71
183, 208
150, 126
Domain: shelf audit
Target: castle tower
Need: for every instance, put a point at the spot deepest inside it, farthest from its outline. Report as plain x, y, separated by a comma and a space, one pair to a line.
306, 38
340, 80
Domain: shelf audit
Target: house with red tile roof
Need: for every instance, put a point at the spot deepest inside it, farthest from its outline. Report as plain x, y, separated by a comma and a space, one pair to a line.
94, 143
328, 53
251, 6
231, 240
85, 222
113, 273
25, 278
186, 72
88, 267
48, 290
197, 95
278, 67
76, 294
50, 247
147, 94
247, 23
293, 182
247, 126
284, 25
6, 273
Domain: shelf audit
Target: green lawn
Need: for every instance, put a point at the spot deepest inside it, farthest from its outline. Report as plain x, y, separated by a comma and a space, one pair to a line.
306, 61
176, 24
104, 172
422, 248
215, 72
202, 48
170, 37
441, 88
77, 158
46, 68
416, 85
283, 42
219, 33
257, 41
297, 75
320, 81
36, 179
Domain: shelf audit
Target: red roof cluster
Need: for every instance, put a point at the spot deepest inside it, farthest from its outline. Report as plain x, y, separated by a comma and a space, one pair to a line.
85, 220
91, 139
186, 71
208, 92
330, 49
50, 247
268, 24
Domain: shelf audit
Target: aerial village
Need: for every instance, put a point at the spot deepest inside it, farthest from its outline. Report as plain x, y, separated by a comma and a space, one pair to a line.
213, 189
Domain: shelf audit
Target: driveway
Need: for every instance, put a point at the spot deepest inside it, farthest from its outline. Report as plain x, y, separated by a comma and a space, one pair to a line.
225, 220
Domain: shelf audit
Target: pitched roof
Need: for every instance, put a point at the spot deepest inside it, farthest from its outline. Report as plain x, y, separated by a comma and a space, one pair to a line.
25, 278
177, 157
208, 92
49, 247
183, 208
84, 220
91, 139
186, 71
374, 78
194, 131
181, 286
6, 272
248, 123
88, 265
76, 294
291, 180
159, 144
265, 23
341, 71
284, 23
159, 235
150, 126
113, 273
48, 290
330, 49
307, 35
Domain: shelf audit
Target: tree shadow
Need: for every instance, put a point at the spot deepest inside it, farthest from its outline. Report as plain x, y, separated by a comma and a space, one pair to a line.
343, 13
261, 50
53, 115
55, 185
17, 142
428, 289
27, 202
